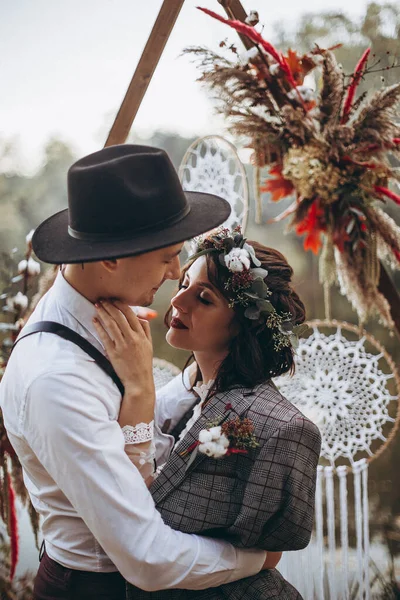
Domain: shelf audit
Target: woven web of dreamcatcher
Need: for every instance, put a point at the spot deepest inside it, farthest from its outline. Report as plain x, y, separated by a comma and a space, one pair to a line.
163, 372
340, 385
211, 165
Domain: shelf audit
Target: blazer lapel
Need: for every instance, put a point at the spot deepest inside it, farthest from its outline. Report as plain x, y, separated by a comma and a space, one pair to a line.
234, 402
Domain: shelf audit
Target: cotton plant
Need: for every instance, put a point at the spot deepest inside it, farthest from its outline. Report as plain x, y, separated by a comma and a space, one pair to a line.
16, 304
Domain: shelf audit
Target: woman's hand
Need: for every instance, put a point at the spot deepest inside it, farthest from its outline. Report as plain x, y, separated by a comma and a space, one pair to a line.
272, 560
127, 341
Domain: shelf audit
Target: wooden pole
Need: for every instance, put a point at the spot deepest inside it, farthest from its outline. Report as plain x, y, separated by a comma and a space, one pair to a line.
159, 35
148, 62
235, 10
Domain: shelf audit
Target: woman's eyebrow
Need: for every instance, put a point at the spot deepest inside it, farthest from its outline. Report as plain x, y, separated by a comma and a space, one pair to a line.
210, 287
205, 284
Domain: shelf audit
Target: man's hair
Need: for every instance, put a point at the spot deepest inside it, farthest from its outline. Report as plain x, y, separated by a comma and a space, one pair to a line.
252, 358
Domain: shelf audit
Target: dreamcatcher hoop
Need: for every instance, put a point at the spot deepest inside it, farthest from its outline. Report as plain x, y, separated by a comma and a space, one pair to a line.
356, 415
329, 387
211, 164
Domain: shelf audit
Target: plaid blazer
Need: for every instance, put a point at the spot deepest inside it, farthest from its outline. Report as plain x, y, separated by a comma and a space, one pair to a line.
263, 499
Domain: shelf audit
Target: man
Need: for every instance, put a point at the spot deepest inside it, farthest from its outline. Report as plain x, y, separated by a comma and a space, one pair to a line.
119, 238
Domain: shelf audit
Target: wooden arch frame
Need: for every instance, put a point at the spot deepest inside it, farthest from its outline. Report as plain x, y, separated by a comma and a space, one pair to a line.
147, 64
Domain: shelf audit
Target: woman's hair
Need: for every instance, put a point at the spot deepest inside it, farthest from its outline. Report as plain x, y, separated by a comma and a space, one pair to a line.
252, 357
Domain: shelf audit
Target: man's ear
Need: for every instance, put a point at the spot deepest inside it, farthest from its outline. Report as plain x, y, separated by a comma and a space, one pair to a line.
111, 264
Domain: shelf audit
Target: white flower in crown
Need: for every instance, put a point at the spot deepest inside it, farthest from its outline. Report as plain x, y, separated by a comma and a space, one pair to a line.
213, 442
237, 260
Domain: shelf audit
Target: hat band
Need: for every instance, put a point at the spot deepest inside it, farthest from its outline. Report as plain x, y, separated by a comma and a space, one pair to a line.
125, 235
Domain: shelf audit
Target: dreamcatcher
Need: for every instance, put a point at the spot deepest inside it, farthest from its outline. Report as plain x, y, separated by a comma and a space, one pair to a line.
211, 165
163, 372
348, 385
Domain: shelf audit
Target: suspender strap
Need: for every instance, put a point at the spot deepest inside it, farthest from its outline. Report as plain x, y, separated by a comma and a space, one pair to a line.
75, 338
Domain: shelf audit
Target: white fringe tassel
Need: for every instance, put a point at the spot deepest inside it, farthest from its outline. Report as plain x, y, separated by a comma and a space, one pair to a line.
364, 476
344, 532
319, 565
358, 513
319, 530
330, 517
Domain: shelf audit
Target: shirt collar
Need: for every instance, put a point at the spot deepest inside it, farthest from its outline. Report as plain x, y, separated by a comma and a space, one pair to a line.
202, 389
79, 307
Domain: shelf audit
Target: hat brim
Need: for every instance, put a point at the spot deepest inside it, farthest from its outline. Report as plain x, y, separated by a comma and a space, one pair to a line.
53, 244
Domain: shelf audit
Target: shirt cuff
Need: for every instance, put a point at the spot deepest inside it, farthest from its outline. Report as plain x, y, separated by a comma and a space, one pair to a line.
249, 562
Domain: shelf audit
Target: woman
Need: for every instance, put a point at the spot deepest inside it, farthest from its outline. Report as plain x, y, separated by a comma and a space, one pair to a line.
244, 465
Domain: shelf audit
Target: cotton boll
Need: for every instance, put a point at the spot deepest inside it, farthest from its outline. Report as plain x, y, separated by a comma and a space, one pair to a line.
18, 302
31, 266
205, 436
22, 266
252, 18
237, 260
210, 448
29, 236
223, 441
215, 432
219, 451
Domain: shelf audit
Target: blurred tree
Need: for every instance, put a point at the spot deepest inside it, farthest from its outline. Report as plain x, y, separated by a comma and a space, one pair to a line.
174, 144
378, 28
26, 201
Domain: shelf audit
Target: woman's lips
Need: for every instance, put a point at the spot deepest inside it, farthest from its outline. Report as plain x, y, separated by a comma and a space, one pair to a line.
177, 324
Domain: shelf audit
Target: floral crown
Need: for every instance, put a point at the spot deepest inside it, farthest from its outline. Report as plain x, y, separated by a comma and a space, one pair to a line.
246, 286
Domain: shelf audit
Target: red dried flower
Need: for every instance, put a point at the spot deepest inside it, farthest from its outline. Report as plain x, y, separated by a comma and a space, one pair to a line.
13, 529
384, 191
358, 73
237, 428
313, 227
278, 186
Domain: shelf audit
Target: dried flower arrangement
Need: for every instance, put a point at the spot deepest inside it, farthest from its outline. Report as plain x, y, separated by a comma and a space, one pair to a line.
326, 149
12, 486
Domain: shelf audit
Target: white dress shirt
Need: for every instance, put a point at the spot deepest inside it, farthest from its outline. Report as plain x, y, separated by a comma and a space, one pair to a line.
60, 410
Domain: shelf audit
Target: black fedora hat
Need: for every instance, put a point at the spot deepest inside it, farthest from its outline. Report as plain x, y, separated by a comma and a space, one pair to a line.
124, 200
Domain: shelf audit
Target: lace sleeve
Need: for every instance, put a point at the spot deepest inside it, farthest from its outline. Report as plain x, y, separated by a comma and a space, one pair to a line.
140, 433
144, 459
140, 447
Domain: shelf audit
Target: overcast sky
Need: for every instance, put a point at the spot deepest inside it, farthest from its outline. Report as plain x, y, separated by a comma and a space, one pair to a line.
65, 66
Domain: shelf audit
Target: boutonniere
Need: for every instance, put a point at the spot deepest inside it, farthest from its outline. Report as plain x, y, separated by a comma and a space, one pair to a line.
224, 437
